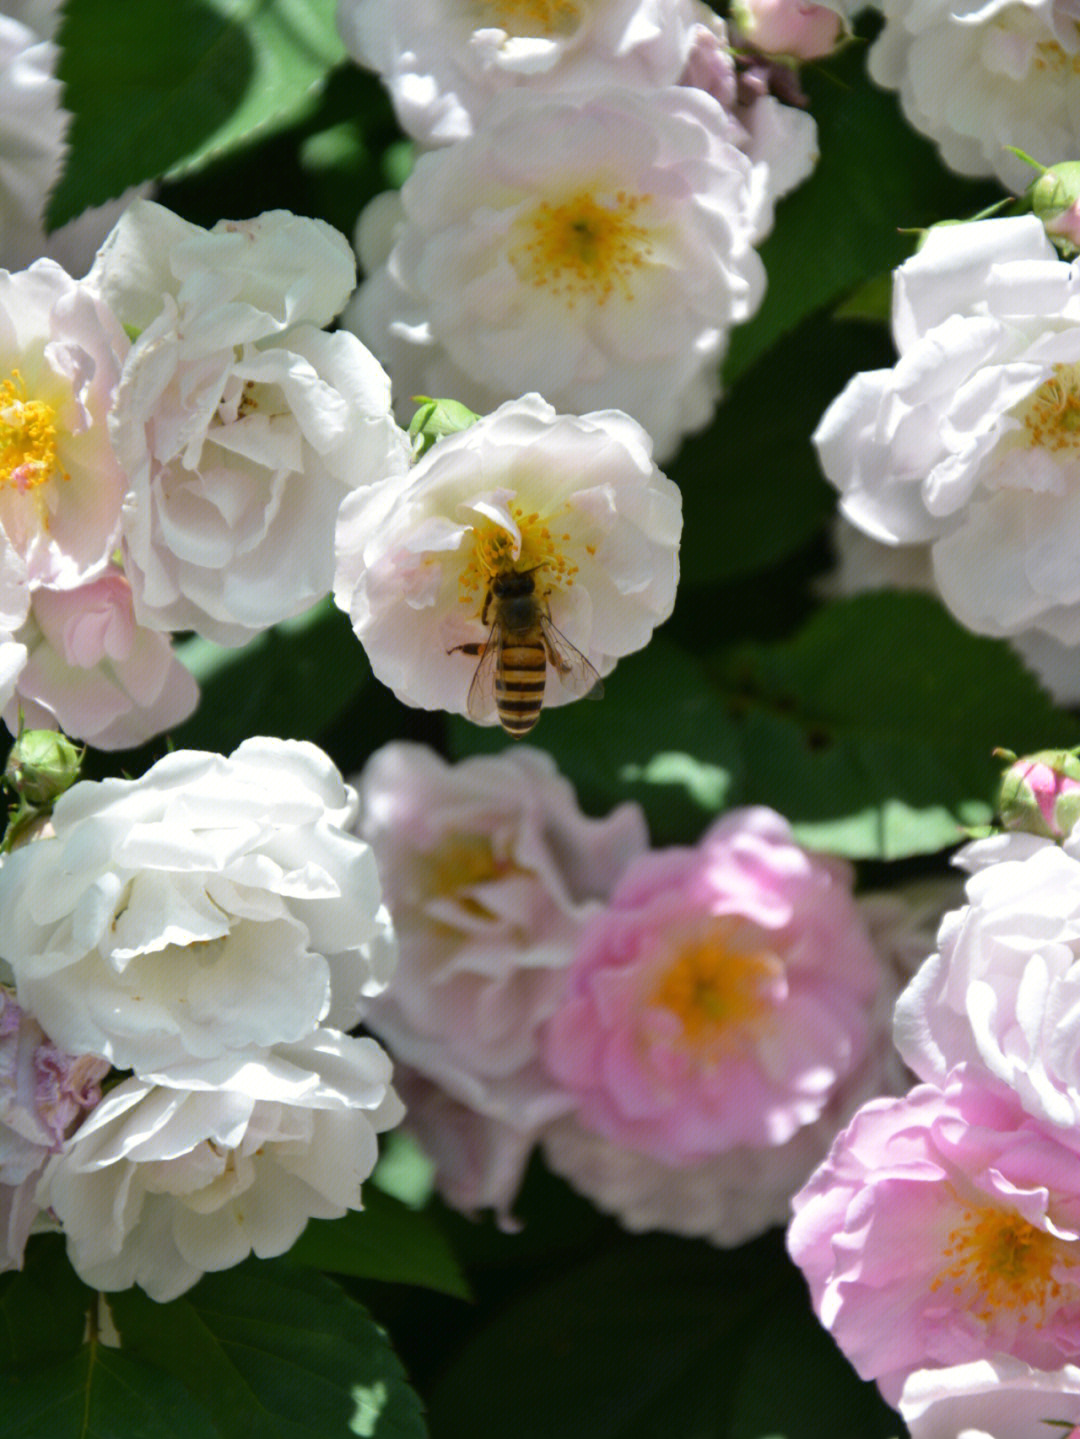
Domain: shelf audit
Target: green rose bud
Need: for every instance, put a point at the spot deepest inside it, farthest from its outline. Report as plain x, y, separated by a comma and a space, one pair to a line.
41, 766
1040, 793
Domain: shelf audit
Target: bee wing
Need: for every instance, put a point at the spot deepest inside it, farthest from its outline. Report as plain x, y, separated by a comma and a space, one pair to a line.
481, 699
578, 676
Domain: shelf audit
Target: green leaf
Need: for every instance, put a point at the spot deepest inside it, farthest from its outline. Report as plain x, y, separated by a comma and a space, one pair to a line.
43, 1307
292, 682
872, 730
875, 175
752, 487
166, 85
435, 419
101, 1393
648, 1339
386, 1240
275, 1352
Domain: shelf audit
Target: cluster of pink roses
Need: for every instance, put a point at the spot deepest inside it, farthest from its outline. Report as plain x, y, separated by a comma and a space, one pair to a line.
682, 1030
941, 1237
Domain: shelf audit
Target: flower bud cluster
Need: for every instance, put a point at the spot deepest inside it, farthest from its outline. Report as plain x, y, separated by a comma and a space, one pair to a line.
210, 932
941, 1236
682, 1031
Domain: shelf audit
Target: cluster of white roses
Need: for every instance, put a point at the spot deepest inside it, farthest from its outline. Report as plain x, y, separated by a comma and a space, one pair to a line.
196, 942
586, 216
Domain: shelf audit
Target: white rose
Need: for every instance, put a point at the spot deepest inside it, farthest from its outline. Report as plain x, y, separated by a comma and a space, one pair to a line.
212, 906
239, 422
163, 1184
445, 62
32, 127
576, 500
970, 442
576, 246
982, 75
1002, 992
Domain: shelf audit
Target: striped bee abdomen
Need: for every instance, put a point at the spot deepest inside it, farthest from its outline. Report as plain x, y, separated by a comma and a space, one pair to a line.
519, 683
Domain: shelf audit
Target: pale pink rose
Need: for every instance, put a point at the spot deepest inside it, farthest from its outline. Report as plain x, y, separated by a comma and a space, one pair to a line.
942, 1228
94, 672
489, 870
724, 997
44, 1095
995, 1398
61, 486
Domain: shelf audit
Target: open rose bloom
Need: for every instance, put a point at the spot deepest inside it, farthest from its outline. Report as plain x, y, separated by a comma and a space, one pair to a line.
970, 442
722, 1018
944, 1228
240, 423
574, 500
490, 870
979, 75
577, 246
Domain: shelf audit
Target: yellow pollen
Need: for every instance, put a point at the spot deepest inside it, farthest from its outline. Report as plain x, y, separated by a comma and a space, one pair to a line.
719, 992
1051, 416
996, 1260
1050, 56
464, 860
495, 551
587, 246
27, 441
534, 17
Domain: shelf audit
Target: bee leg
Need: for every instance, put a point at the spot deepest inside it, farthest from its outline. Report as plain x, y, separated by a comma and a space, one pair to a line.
474, 647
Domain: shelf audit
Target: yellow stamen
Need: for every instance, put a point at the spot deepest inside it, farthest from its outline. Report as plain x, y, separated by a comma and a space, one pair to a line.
534, 17
719, 988
587, 246
996, 1260
1051, 416
497, 550
27, 441
462, 861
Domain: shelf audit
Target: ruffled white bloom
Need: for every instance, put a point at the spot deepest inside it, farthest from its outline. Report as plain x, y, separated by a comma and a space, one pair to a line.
444, 61
60, 484
577, 499
240, 423
32, 128
490, 868
1002, 992
978, 75
89, 669
163, 1184
996, 1398
14, 607
971, 442
578, 246
212, 906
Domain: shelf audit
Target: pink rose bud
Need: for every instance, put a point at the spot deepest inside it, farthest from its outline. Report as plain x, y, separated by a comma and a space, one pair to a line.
786, 27
1055, 199
1040, 793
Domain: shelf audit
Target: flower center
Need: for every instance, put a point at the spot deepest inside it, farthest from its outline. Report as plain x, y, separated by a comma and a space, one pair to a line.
462, 861
720, 992
1051, 416
27, 439
995, 1260
1050, 56
534, 17
528, 545
587, 246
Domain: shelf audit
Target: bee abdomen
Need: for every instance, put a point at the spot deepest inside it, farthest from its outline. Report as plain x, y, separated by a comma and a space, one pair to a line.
519, 686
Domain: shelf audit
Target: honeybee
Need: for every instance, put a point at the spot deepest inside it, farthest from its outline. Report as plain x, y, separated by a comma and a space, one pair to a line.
521, 643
